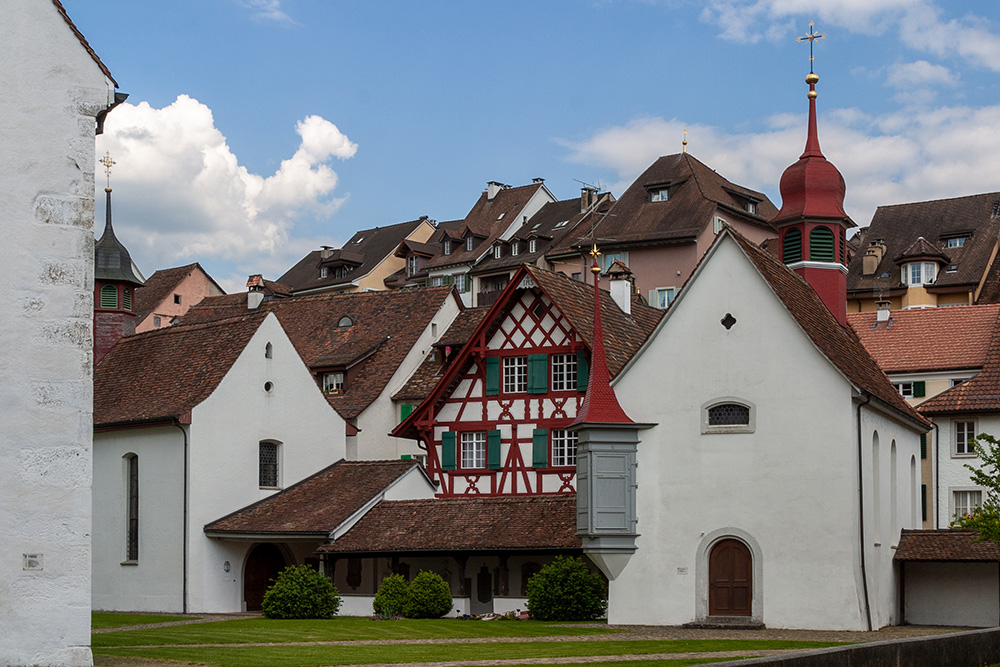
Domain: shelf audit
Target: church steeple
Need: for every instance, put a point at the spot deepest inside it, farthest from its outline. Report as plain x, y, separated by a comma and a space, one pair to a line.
812, 222
115, 280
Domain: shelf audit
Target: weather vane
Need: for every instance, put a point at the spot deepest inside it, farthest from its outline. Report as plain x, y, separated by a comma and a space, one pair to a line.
811, 37
108, 163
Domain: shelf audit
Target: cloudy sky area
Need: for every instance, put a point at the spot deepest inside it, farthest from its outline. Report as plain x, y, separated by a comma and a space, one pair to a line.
257, 130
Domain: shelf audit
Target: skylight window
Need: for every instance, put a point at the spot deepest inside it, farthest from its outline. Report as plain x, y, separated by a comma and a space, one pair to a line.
500, 217
560, 225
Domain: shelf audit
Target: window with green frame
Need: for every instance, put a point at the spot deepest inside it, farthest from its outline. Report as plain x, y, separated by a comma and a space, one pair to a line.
109, 296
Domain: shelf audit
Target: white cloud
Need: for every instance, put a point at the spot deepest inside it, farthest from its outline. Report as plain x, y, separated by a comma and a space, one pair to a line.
920, 73
181, 194
898, 157
266, 10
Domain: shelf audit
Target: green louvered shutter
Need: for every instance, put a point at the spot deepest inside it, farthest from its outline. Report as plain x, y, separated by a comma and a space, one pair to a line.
492, 376
109, 296
448, 450
919, 389
540, 448
493, 450
923, 445
791, 246
582, 371
405, 410
538, 373
127, 299
821, 245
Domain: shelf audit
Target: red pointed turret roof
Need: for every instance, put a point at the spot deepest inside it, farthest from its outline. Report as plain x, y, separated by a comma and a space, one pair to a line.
812, 187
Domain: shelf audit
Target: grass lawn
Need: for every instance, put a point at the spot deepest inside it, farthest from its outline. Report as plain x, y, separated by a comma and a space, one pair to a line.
100, 620
343, 628
314, 656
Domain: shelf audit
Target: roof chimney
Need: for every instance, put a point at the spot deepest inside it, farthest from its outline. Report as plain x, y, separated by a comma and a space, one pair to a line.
255, 291
492, 188
325, 252
587, 198
882, 315
622, 285
872, 257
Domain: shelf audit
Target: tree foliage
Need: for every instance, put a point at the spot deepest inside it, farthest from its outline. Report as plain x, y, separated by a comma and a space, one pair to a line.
986, 473
392, 597
430, 596
566, 590
301, 592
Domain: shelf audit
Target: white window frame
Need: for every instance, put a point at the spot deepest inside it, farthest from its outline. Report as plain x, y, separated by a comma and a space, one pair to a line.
563, 372
751, 207
461, 282
963, 498
563, 448
412, 265
497, 251
962, 431
659, 194
532, 245
905, 389
664, 296
515, 249
324, 272
515, 375
473, 450
916, 274
333, 383
470, 242
447, 246
956, 241
749, 427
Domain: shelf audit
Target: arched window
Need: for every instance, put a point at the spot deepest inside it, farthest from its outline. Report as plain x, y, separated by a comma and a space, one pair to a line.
821, 245
728, 415
109, 296
345, 321
131, 507
269, 464
268, 351
791, 246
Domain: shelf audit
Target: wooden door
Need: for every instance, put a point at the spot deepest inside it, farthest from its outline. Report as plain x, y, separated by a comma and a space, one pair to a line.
730, 579
263, 565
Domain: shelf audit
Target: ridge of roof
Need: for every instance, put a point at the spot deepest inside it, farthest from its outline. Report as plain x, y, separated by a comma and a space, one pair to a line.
161, 283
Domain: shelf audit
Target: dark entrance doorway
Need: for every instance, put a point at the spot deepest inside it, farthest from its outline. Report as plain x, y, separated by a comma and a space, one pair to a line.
482, 598
263, 564
730, 579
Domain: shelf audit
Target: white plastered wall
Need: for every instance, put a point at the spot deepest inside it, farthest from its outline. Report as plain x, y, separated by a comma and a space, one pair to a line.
962, 594
952, 475
52, 92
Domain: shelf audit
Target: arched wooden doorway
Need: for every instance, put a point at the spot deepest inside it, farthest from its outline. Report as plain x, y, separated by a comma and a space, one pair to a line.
263, 564
730, 579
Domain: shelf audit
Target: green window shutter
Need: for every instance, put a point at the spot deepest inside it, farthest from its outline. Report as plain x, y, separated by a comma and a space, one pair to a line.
582, 371
109, 296
405, 410
540, 448
448, 450
923, 445
538, 373
923, 502
446, 280
791, 246
492, 376
919, 389
127, 298
821, 244
427, 281
493, 450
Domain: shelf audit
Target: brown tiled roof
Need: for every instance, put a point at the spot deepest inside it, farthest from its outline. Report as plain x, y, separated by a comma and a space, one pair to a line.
317, 504
508, 523
838, 344
162, 283
83, 41
928, 339
980, 394
390, 321
488, 219
428, 249
919, 249
423, 380
945, 545
901, 224
164, 373
364, 251
695, 193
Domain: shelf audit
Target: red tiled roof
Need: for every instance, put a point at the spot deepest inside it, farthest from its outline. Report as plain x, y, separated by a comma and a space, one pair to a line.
317, 504
164, 373
83, 41
508, 523
928, 339
944, 546
162, 283
838, 344
389, 321
980, 394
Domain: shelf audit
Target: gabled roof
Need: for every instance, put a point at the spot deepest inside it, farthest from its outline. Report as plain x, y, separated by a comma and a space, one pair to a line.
921, 249
944, 546
364, 251
161, 284
695, 193
83, 41
624, 334
928, 339
164, 373
427, 375
901, 224
511, 523
980, 394
487, 219
385, 326
316, 505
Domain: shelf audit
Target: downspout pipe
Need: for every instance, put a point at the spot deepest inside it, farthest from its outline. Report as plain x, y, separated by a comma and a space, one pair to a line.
184, 552
861, 513
937, 476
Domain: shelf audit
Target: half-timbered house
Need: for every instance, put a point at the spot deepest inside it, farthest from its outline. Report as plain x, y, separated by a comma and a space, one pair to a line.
497, 422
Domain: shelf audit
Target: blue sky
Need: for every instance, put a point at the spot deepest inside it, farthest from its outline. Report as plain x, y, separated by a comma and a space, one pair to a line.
257, 130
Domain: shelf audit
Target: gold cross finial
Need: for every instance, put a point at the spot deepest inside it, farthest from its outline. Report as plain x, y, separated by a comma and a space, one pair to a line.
811, 37
595, 253
684, 144
108, 163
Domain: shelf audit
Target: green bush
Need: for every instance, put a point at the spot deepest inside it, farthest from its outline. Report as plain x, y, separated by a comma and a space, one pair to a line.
565, 590
429, 596
392, 598
301, 592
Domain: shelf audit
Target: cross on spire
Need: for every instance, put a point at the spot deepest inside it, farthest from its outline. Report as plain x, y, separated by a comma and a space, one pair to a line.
108, 163
811, 37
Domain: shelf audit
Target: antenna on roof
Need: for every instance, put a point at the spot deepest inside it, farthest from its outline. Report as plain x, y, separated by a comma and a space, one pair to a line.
586, 184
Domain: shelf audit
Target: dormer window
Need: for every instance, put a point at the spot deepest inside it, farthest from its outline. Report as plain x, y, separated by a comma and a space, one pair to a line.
532, 245
919, 273
497, 251
447, 246
345, 322
751, 207
324, 272
333, 383
470, 242
659, 194
955, 242
412, 265
515, 249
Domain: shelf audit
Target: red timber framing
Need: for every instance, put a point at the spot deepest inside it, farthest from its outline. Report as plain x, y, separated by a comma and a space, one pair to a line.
496, 422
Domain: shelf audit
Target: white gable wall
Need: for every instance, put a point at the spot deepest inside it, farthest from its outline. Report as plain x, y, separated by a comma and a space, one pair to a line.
788, 489
952, 475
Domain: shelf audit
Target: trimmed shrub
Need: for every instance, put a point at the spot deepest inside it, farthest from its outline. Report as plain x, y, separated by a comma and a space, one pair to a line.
392, 598
430, 596
565, 590
301, 592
